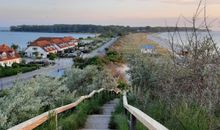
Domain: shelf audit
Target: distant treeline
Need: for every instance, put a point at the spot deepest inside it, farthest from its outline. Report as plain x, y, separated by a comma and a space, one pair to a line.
110, 30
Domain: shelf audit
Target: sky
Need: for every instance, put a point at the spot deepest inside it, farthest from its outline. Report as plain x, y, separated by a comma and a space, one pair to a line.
103, 12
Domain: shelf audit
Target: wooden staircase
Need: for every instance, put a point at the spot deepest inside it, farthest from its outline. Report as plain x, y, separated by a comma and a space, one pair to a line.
101, 121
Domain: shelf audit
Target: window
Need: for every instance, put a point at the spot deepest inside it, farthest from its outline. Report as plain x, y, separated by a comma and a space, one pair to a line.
12, 54
3, 55
34, 48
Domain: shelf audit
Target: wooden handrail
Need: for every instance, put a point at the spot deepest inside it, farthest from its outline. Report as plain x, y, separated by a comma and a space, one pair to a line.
40, 119
146, 120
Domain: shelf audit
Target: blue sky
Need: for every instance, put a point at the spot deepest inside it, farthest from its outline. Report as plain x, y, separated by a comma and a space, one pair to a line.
104, 12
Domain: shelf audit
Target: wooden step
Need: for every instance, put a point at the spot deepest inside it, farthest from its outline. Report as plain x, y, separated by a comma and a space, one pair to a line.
101, 121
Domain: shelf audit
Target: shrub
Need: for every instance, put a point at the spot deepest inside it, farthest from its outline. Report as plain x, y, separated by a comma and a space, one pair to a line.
114, 56
122, 85
82, 63
52, 56
17, 68
26, 100
90, 78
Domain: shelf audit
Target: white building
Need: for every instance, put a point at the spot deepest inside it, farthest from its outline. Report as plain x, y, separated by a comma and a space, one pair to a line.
46, 45
148, 49
8, 56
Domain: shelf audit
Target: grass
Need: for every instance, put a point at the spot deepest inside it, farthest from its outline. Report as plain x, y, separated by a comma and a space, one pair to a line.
183, 116
76, 118
118, 119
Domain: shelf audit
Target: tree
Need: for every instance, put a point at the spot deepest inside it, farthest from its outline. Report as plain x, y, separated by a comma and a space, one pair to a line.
15, 47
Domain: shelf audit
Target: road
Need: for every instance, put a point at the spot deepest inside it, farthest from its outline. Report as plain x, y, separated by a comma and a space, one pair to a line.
61, 64
101, 50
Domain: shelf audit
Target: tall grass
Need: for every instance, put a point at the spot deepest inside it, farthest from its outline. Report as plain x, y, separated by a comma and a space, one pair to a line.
183, 116
119, 119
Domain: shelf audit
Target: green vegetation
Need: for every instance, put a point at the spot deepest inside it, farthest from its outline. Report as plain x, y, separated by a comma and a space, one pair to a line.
181, 96
90, 78
113, 56
26, 100
15, 47
76, 118
122, 85
52, 56
82, 63
119, 119
17, 68
106, 31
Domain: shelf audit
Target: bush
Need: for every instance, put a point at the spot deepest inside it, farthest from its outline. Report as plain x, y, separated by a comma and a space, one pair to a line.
26, 100
90, 78
114, 56
82, 63
17, 68
52, 56
122, 85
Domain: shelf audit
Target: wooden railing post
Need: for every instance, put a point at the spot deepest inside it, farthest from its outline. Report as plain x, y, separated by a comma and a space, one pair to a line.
56, 120
126, 112
132, 122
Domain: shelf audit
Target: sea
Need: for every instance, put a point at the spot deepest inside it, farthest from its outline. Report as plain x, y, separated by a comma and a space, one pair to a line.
215, 35
22, 38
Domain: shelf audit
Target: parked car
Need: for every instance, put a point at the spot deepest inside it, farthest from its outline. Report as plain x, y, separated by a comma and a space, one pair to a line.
72, 54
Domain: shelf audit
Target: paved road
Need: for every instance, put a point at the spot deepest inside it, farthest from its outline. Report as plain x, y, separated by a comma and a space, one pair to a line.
61, 64
100, 50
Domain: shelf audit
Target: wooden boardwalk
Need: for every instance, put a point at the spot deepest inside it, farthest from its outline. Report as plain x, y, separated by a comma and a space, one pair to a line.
101, 121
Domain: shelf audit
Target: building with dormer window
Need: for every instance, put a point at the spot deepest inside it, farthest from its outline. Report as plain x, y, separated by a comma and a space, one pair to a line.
8, 56
46, 45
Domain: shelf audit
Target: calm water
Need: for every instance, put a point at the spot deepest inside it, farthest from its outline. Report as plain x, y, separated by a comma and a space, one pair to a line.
22, 38
215, 34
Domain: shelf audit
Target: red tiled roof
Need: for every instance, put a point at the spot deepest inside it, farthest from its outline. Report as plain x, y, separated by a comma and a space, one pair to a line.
9, 53
44, 42
56, 41
68, 39
5, 48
